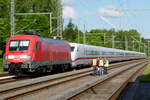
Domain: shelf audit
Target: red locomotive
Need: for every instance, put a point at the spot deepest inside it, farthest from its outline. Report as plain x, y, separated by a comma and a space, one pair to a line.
31, 53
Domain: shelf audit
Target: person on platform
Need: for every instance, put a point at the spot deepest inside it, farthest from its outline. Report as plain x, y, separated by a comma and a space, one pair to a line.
94, 66
106, 65
101, 66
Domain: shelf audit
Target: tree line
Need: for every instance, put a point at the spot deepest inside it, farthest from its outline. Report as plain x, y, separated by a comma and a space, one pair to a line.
37, 23
124, 39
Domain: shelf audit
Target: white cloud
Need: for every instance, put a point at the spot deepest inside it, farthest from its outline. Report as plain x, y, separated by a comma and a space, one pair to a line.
67, 2
109, 12
69, 13
87, 13
106, 12
107, 21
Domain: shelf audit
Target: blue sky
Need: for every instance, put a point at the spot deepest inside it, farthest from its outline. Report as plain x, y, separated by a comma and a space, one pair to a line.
101, 14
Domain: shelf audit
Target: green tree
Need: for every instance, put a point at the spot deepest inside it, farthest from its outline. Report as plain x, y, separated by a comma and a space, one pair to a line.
123, 39
4, 8
39, 23
4, 24
38, 6
70, 32
4, 34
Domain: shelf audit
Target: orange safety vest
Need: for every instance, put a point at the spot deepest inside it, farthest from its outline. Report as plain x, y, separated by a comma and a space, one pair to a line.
94, 62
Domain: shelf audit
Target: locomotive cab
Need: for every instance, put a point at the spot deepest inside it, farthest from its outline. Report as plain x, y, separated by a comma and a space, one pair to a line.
18, 51
73, 51
32, 54
18, 54
74, 54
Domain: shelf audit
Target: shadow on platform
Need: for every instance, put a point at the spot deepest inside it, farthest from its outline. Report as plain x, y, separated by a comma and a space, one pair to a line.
137, 90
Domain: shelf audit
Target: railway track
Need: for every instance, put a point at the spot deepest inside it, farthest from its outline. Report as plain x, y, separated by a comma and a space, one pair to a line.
12, 79
45, 85
6, 78
4, 74
111, 87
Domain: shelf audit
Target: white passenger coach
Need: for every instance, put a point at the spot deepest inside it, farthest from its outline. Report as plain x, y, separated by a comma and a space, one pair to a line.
83, 54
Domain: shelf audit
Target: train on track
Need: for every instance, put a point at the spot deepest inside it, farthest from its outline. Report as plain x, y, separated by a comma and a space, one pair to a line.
32, 54
82, 54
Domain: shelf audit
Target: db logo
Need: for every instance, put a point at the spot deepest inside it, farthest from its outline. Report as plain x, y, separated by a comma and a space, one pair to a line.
17, 57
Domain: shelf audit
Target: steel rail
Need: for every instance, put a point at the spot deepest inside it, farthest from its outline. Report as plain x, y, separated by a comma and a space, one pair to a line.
4, 74
77, 95
39, 88
122, 87
15, 79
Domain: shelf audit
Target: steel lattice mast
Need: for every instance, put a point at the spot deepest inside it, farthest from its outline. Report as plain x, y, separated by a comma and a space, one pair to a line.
12, 18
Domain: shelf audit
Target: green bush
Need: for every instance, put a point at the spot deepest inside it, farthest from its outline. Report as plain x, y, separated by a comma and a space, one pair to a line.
1, 62
146, 75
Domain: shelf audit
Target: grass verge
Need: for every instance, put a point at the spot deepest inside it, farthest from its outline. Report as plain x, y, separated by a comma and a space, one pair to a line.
146, 75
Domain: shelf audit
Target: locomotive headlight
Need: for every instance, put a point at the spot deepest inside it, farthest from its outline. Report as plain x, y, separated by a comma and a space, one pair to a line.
6, 57
28, 57
10, 57
25, 57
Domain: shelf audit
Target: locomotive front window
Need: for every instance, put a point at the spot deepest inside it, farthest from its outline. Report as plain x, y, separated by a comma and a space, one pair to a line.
18, 45
36, 46
13, 45
72, 49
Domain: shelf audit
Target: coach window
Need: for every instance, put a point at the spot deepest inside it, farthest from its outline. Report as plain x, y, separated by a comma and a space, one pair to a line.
77, 49
36, 46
